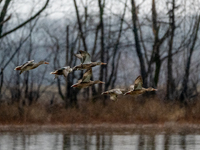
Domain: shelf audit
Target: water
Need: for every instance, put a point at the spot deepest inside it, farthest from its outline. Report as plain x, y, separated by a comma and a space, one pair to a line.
95, 140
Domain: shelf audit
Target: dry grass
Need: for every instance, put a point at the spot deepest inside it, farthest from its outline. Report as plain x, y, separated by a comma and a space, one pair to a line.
129, 110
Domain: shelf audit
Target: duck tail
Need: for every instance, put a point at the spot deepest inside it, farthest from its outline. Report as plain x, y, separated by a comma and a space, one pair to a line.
52, 72
104, 93
18, 68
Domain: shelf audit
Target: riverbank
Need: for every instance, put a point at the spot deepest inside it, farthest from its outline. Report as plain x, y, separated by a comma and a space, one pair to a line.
170, 127
124, 111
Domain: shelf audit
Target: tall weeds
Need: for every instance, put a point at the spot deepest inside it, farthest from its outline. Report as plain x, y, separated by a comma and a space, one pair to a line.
126, 110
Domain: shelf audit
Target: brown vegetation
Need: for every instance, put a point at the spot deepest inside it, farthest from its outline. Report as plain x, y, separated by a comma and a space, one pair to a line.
126, 110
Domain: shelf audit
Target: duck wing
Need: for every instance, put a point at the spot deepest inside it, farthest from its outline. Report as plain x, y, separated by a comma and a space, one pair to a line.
138, 83
113, 97
118, 91
86, 57
131, 87
79, 81
27, 64
113, 91
79, 56
87, 75
66, 71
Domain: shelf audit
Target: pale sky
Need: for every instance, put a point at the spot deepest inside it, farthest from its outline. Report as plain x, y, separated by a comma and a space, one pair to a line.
65, 8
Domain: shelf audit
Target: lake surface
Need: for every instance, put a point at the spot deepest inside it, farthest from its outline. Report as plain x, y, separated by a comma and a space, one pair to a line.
99, 140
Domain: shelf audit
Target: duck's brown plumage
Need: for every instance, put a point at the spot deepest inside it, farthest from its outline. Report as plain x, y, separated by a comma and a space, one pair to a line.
114, 93
88, 66
62, 71
85, 81
84, 57
29, 65
137, 88
85, 61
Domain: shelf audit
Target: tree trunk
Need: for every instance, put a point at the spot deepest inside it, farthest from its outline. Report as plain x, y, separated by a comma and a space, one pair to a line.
170, 83
1, 83
101, 25
113, 76
67, 88
3, 14
183, 94
80, 26
137, 43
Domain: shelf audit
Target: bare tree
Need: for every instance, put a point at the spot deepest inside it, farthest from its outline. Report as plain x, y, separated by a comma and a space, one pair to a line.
3, 34
4, 12
101, 4
114, 64
10, 59
170, 80
137, 41
80, 26
191, 46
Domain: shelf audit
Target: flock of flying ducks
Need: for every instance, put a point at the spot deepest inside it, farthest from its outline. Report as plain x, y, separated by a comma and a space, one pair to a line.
85, 82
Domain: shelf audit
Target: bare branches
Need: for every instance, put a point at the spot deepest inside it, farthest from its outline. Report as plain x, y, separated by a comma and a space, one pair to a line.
25, 22
80, 26
3, 14
137, 42
183, 94
113, 75
101, 25
8, 18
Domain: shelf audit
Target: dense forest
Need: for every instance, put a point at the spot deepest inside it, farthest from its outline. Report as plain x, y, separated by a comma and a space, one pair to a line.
158, 40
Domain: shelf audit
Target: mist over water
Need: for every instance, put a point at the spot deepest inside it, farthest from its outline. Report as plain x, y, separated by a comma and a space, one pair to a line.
98, 140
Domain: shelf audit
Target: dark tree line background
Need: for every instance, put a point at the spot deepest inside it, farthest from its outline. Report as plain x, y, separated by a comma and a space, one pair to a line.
157, 39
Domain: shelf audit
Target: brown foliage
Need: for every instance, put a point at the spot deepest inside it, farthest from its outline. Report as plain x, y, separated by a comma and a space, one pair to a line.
139, 110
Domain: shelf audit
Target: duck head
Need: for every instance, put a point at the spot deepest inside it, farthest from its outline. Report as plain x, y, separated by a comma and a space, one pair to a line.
101, 63
43, 62
99, 82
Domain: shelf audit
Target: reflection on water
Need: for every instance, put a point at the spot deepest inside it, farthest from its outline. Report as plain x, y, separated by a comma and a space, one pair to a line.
97, 141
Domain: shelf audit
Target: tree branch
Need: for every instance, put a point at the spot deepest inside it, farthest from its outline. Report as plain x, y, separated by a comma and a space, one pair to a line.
24, 23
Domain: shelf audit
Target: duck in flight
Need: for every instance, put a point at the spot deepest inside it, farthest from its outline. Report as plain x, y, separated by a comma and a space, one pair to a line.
85, 81
62, 71
29, 65
114, 93
137, 88
86, 61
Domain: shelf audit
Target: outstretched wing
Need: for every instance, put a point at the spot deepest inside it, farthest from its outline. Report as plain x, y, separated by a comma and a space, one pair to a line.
79, 56
118, 91
86, 57
131, 87
26, 64
113, 97
87, 75
138, 83
65, 73
67, 70
114, 91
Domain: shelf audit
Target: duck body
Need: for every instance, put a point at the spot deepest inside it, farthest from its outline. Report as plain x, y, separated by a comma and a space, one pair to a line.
62, 71
85, 81
88, 66
86, 62
29, 66
137, 88
86, 84
114, 93
140, 91
84, 57
135, 92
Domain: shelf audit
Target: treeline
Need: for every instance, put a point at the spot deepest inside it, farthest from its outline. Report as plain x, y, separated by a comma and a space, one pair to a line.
157, 39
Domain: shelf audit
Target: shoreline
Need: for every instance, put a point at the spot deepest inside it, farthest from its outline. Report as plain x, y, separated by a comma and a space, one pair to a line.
170, 127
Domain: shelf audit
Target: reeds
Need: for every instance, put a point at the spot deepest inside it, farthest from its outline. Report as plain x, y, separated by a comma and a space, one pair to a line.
126, 110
